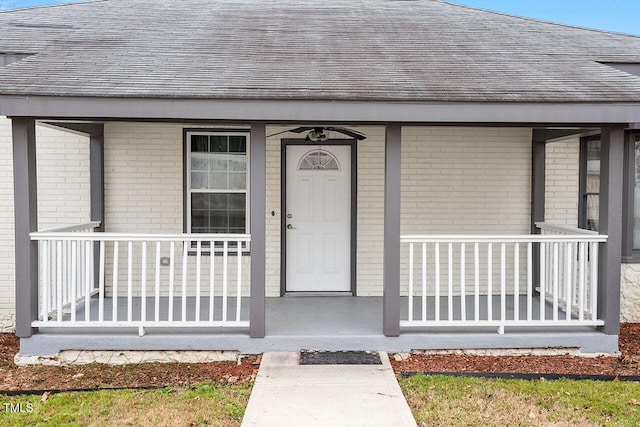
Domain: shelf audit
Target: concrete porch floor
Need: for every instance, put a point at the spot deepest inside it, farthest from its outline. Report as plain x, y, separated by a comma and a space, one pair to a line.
317, 322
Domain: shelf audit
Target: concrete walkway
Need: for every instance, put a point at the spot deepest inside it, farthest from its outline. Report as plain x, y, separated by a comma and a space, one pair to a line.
288, 394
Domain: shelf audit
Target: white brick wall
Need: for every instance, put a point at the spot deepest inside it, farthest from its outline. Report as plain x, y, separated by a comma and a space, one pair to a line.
63, 196
562, 182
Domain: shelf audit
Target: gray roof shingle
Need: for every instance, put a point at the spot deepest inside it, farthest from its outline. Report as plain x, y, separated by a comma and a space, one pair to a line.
376, 50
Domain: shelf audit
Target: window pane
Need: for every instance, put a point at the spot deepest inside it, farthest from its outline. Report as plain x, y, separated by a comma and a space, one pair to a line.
219, 181
219, 144
237, 162
237, 180
219, 162
636, 198
199, 144
593, 167
199, 180
237, 144
593, 211
218, 213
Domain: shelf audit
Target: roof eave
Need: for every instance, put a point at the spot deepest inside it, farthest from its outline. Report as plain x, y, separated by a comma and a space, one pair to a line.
285, 111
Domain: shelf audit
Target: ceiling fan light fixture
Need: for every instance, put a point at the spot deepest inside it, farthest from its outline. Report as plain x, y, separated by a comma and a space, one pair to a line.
316, 135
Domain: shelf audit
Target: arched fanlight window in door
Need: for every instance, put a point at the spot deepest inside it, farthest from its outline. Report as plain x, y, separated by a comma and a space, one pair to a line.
318, 160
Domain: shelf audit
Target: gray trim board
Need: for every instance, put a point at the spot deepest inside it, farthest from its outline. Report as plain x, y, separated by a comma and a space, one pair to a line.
283, 206
26, 221
258, 218
83, 128
610, 223
277, 111
392, 200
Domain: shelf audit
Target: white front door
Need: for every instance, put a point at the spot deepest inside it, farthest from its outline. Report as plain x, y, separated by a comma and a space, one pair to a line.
318, 218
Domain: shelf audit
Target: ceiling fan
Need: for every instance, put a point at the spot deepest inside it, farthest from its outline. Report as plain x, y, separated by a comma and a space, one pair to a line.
317, 133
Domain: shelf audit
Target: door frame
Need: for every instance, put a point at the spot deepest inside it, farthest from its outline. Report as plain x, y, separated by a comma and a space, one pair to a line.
283, 206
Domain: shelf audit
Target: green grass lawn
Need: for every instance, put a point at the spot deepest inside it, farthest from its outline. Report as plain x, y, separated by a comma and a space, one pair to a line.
448, 401
201, 405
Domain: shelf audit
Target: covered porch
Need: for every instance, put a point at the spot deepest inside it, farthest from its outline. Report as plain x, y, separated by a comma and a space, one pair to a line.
139, 290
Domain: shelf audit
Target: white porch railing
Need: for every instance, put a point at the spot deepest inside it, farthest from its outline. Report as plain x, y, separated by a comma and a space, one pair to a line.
90, 279
68, 277
463, 281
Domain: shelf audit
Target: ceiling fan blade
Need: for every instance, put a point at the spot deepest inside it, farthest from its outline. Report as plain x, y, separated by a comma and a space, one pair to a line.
349, 132
296, 130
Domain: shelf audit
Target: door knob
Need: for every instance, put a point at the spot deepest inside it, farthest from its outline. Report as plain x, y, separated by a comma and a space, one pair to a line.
290, 227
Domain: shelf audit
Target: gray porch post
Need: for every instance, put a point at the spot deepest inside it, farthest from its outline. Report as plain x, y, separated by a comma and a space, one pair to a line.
610, 223
96, 181
391, 263
257, 185
26, 220
96, 166
538, 175
538, 172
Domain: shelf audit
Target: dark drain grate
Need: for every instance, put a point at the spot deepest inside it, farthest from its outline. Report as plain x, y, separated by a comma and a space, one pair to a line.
311, 357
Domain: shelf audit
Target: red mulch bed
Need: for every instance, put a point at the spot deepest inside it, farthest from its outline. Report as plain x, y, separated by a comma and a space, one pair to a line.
95, 375
13, 377
628, 363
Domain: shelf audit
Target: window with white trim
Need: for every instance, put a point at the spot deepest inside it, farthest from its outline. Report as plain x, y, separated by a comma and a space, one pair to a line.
217, 165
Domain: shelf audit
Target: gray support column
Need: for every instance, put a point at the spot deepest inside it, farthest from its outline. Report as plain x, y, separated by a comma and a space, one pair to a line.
610, 223
391, 263
26, 221
96, 165
96, 178
538, 174
257, 191
538, 195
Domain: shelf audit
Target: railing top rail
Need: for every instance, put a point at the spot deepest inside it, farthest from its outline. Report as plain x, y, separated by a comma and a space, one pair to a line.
78, 227
139, 237
533, 238
564, 229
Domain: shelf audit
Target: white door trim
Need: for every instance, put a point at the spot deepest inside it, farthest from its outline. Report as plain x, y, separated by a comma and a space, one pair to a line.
283, 193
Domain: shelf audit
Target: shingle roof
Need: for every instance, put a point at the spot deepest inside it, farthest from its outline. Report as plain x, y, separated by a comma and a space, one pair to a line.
424, 50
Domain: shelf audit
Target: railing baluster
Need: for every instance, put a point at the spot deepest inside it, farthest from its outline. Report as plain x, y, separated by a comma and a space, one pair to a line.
212, 272
569, 280
503, 282
74, 279
516, 282
529, 281
489, 282
225, 294
463, 293
556, 279
543, 280
198, 274
476, 267
410, 285
65, 276
59, 260
582, 259
143, 283
437, 283
172, 267
450, 287
116, 255
88, 279
239, 282
101, 280
129, 281
424, 282
185, 259
594, 281
156, 295
46, 277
